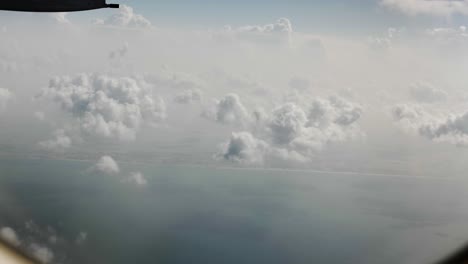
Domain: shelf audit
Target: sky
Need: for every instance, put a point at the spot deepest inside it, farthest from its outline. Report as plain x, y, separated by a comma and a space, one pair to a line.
357, 87
338, 16
252, 84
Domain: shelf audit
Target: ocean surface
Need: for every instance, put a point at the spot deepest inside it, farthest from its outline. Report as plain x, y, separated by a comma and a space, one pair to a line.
188, 214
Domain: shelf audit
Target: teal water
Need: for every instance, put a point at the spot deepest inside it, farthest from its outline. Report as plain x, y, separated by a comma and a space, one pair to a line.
216, 215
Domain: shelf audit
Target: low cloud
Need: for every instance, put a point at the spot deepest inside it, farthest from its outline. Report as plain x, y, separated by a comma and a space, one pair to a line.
451, 128
228, 110
107, 165
243, 147
105, 106
294, 132
125, 17
278, 32
59, 143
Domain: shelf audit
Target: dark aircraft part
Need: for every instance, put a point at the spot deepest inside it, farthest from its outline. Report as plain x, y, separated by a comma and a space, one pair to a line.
54, 5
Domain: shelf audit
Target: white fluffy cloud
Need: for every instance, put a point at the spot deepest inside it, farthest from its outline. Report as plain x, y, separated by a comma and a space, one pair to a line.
5, 96
42, 253
295, 132
9, 235
107, 165
228, 110
243, 147
281, 31
427, 93
282, 25
428, 7
125, 17
60, 142
105, 106
452, 128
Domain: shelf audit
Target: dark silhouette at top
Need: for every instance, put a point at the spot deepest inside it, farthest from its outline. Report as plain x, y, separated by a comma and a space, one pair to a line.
54, 5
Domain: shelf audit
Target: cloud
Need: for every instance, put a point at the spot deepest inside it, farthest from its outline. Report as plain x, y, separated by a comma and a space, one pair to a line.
105, 106
228, 110
42, 253
426, 93
125, 17
107, 165
451, 128
137, 178
9, 235
60, 18
441, 8
189, 96
282, 25
287, 123
278, 32
59, 143
5, 97
243, 147
293, 132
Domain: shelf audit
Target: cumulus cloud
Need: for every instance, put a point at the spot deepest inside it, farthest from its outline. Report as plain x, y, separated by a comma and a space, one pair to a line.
243, 147
228, 110
428, 7
125, 17
105, 106
137, 178
9, 235
107, 165
60, 142
295, 132
281, 31
188, 96
5, 96
42, 253
427, 93
451, 128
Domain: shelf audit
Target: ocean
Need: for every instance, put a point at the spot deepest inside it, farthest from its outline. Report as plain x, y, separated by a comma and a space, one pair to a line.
195, 214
